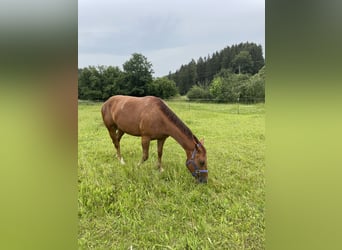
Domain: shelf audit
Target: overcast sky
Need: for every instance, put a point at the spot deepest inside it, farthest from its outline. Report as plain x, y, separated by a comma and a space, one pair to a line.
168, 32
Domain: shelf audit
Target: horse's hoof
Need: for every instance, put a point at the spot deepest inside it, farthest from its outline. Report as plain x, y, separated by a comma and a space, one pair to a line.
161, 170
122, 161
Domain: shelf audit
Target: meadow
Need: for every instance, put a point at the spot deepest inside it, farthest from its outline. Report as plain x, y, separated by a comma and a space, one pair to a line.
131, 207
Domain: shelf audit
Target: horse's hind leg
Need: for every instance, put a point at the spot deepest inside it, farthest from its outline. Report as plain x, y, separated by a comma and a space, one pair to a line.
145, 143
119, 134
116, 135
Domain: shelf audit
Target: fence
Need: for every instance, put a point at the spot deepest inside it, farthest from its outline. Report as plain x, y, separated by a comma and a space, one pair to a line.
237, 107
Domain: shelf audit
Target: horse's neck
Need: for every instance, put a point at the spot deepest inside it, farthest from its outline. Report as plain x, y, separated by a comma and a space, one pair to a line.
187, 143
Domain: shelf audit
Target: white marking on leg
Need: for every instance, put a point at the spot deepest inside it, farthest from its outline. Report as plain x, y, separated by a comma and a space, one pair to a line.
122, 161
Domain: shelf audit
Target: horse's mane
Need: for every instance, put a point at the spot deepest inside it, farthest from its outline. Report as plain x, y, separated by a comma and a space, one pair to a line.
175, 120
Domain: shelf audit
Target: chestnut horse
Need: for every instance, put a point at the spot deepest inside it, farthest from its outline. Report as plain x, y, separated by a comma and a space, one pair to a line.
150, 118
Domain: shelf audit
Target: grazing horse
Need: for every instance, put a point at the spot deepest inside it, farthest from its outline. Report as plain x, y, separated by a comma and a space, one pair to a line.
150, 118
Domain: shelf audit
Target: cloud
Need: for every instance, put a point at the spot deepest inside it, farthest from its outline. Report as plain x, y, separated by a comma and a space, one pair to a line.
172, 30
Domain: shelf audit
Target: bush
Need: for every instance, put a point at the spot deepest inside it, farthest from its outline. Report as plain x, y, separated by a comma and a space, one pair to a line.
229, 88
199, 92
163, 88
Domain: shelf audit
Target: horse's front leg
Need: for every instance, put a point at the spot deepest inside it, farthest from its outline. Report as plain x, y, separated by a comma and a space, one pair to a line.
160, 153
145, 143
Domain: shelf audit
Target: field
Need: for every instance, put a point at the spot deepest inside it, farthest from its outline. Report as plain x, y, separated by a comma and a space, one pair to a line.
131, 207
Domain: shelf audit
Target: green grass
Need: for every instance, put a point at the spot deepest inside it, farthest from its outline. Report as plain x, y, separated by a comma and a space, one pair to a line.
125, 206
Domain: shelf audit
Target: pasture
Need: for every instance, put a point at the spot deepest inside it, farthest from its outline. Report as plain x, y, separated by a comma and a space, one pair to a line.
131, 207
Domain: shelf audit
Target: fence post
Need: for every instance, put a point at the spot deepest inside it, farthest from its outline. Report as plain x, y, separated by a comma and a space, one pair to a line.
238, 105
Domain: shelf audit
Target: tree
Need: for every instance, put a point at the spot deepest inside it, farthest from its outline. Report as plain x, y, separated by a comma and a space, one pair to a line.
255, 88
216, 88
228, 88
257, 57
200, 70
83, 83
162, 87
246, 58
112, 76
192, 74
100, 82
182, 79
138, 74
199, 92
226, 58
242, 62
90, 84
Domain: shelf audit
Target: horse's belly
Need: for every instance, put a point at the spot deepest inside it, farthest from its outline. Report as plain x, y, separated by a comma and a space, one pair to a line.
129, 127
141, 128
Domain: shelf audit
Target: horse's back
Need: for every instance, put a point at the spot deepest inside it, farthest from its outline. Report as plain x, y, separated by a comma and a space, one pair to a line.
123, 103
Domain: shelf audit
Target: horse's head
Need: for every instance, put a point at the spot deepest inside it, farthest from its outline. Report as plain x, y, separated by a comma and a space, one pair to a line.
197, 164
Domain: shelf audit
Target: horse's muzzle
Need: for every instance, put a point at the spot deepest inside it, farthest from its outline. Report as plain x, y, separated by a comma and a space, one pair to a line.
202, 180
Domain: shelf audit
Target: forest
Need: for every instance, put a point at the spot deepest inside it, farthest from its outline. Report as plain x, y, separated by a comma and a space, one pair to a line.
235, 73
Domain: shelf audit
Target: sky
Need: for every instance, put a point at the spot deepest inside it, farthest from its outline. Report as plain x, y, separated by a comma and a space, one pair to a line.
168, 32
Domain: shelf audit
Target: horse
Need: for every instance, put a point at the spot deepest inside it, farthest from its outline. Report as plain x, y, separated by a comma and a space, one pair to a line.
151, 119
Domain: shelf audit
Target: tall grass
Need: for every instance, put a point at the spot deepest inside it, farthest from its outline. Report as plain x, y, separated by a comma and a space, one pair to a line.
130, 207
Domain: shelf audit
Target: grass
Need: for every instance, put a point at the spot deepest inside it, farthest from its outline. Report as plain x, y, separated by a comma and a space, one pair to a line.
130, 207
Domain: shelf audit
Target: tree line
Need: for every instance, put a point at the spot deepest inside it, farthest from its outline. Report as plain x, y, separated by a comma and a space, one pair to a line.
235, 73
243, 58
101, 82
231, 87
